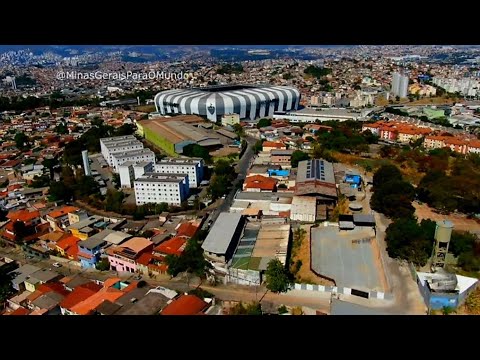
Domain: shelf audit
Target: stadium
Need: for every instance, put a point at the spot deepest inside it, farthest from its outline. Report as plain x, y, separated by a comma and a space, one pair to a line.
250, 102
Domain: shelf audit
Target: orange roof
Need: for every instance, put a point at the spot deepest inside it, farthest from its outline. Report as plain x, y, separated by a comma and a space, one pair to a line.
86, 306
273, 144
284, 214
137, 244
174, 246
251, 211
62, 211
23, 215
454, 141
68, 242
185, 305
19, 311
187, 229
38, 312
474, 144
111, 281
260, 182
79, 294
73, 251
144, 259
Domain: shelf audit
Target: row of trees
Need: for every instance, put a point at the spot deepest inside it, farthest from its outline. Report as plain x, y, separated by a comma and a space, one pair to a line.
392, 195
223, 176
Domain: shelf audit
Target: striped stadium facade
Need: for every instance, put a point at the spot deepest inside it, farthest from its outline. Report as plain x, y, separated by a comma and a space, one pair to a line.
249, 101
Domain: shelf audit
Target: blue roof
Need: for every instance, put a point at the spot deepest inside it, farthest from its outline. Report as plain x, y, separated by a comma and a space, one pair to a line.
278, 172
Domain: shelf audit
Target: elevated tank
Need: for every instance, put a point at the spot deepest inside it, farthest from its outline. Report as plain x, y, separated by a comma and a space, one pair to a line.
443, 231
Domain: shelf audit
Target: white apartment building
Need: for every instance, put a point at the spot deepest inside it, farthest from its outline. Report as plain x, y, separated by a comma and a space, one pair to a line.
137, 156
194, 167
399, 85
131, 170
118, 144
156, 188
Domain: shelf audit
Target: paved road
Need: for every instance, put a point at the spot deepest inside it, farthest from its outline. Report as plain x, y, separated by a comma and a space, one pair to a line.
242, 169
407, 297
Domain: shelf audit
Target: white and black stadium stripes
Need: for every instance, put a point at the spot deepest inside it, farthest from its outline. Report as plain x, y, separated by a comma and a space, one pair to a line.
249, 101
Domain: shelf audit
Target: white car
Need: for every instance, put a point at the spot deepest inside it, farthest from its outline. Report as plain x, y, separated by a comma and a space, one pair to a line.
57, 265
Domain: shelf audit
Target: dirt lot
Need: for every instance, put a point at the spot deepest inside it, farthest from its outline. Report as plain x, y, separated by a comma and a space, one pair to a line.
460, 222
303, 254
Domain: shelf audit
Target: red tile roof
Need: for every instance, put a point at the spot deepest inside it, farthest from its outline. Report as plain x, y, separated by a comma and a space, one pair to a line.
23, 215
185, 305
62, 211
144, 259
79, 294
68, 242
187, 229
19, 311
260, 182
174, 246
272, 144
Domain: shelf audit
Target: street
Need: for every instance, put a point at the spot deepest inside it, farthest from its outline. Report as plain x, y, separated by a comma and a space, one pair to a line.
242, 169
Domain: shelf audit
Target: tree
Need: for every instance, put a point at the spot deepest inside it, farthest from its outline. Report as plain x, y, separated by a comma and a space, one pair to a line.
224, 168
239, 130
253, 308
116, 180
263, 123
60, 191
22, 141
114, 200
218, 187
191, 260
103, 265
50, 164
257, 147
195, 150
125, 129
298, 156
61, 129
397, 98
386, 173
394, 199
6, 289
277, 277
20, 230
408, 240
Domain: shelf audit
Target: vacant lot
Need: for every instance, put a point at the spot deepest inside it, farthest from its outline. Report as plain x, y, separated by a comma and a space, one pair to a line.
460, 222
306, 275
350, 258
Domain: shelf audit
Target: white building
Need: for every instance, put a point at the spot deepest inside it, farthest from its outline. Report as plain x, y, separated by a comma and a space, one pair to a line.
131, 170
118, 144
137, 156
194, 167
399, 85
318, 115
157, 188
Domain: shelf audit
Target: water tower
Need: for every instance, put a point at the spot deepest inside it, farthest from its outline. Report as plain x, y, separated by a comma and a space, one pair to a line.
443, 233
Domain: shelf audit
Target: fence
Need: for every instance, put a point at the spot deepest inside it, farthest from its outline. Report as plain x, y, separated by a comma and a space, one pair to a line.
343, 290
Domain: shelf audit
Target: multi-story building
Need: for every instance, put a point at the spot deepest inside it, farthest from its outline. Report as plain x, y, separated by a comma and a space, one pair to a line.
399, 85
58, 218
157, 188
118, 144
89, 251
473, 147
123, 257
131, 170
143, 155
194, 167
281, 157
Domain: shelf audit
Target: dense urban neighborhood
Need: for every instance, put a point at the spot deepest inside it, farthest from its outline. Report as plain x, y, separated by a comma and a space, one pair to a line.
237, 181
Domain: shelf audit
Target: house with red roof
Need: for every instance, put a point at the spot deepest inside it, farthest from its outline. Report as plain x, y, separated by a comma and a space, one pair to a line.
68, 247
268, 146
185, 305
58, 218
29, 217
259, 183
79, 294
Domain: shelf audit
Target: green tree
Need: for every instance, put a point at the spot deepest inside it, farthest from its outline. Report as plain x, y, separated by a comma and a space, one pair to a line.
408, 240
61, 128
195, 150
218, 187
103, 265
125, 129
386, 173
277, 277
239, 130
6, 289
224, 168
257, 147
298, 156
263, 123
60, 191
22, 141
114, 200
191, 260
50, 164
